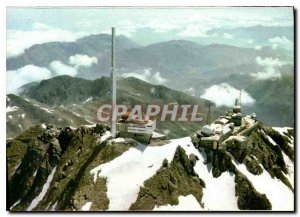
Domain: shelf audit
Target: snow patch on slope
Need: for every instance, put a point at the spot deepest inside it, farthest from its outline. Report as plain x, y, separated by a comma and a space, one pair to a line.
219, 193
87, 206
36, 200
140, 163
42, 108
88, 99
274, 189
15, 204
105, 136
290, 166
53, 208
11, 108
284, 132
186, 203
132, 168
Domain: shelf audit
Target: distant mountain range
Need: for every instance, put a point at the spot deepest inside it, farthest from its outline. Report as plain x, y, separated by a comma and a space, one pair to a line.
177, 57
43, 54
61, 158
178, 64
260, 34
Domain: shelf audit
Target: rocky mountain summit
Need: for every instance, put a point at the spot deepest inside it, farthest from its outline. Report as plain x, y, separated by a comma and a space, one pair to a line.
53, 168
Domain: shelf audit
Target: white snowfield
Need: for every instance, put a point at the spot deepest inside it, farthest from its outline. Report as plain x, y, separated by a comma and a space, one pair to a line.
186, 203
282, 130
138, 164
128, 172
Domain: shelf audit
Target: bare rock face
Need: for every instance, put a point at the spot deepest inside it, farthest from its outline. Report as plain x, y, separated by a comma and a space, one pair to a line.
248, 197
40, 154
253, 165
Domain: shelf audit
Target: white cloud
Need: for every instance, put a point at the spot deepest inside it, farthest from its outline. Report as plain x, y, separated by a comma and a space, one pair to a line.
157, 79
270, 66
194, 30
19, 40
227, 36
123, 27
146, 75
159, 26
274, 46
41, 26
81, 60
224, 94
190, 91
31, 73
188, 22
269, 61
258, 47
282, 42
271, 74
24, 75
192, 22
61, 69
249, 41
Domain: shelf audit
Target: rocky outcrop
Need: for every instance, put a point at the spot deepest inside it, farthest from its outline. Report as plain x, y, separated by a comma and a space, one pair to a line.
261, 153
248, 197
42, 154
282, 140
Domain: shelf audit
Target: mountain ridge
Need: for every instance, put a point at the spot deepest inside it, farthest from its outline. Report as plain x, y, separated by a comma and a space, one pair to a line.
80, 174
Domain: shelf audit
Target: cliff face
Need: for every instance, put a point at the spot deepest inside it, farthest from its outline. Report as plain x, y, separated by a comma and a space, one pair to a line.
63, 169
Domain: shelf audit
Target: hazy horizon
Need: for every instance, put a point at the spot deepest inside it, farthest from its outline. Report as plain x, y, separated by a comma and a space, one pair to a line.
205, 25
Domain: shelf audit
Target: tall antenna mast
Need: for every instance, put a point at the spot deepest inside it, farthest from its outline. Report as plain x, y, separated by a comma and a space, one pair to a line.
114, 84
240, 98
